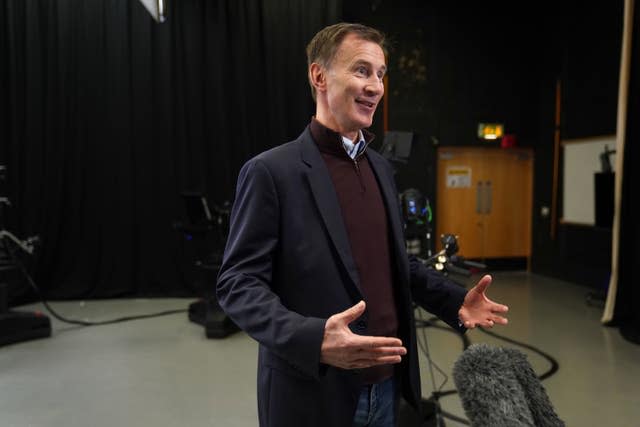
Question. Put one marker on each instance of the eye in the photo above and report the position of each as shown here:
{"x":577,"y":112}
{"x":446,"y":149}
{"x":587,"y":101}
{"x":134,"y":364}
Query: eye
{"x":362,"y":70}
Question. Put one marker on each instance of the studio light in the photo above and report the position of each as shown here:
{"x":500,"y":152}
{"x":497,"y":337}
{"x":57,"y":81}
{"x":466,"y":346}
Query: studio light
{"x":156,"y":8}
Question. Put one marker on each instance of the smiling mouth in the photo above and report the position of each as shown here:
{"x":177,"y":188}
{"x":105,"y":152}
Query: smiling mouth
{"x":366,"y":103}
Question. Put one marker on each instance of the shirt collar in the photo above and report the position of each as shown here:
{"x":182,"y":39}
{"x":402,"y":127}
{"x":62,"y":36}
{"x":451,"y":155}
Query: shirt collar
{"x":353,"y":148}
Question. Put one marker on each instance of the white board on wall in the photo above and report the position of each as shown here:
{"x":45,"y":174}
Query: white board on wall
{"x":581,"y":162}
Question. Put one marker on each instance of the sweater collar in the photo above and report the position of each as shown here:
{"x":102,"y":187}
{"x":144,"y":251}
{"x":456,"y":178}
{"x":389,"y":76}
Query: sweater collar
{"x":330,"y":141}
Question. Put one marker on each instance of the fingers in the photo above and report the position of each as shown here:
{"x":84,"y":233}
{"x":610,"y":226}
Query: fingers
{"x":495,"y":320}
{"x":361,"y":341}
{"x":378,"y":352}
{"x":483,"y":284}
{"x":352,"y":351}
{"x":364,"y":358}
{"x":500,"y":320}
{"x":499,"y":308}
{"x":487,"y":323}
{"x":472,"y":325}
{"x":373,"y":347}
{"x":367,"y":363}
{"x":352,"y":313}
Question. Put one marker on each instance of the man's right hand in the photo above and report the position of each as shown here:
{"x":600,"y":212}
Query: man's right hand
{"x":344,"y":349}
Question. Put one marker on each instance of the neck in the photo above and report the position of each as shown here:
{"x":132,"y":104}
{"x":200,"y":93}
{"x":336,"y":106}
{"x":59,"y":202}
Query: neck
{"x":329,"y":121}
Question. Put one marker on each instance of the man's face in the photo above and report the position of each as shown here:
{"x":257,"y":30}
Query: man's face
{"x":354,"y":85}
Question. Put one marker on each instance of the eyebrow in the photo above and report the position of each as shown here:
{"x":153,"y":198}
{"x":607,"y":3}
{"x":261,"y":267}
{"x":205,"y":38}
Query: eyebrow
{"x":369,"y":64}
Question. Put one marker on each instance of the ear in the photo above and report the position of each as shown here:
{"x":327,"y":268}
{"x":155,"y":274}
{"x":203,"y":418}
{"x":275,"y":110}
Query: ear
{"x":318,"y":77}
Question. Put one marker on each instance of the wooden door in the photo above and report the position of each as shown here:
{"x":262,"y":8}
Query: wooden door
{"x":459,"y":172}
{"x":489,"y":206}
{"x":507,"y":223}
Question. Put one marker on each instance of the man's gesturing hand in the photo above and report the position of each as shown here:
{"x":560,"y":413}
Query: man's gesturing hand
{"x":478,"y":310}
{"x":344,"y":349}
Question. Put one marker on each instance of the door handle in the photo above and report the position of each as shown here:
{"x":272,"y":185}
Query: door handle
{"x":488,"y":197}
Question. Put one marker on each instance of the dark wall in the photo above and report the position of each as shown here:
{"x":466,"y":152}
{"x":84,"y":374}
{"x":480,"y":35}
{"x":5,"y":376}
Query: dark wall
{"x":449,"y":70}
{"x":106,"y":117}
{"x":453,"y":65}
{"x":591,"y":64}
{"x":586,"y":59}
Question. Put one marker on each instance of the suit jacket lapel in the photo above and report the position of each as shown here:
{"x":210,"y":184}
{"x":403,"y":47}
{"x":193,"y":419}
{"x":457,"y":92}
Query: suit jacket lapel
{"x":327,"y":201}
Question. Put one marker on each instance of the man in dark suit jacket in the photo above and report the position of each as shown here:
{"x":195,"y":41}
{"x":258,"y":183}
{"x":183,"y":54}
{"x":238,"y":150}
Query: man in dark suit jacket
{"x":315,"y":267}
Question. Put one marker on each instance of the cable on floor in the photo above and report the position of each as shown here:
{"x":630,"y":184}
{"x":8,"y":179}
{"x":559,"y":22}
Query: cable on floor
{"x":63,"y":319}
{"x":431,"y":322}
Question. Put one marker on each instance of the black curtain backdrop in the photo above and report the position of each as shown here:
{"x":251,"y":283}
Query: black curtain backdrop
{"x":107,"y":116}
{"x":627,"y":308}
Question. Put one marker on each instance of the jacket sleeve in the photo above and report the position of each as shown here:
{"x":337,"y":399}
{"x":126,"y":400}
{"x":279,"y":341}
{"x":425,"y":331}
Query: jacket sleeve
{"x":436,"y":294}
{"x":245,"y":288}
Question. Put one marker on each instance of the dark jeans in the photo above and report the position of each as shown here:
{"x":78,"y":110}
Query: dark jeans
{"x":376,"y":405}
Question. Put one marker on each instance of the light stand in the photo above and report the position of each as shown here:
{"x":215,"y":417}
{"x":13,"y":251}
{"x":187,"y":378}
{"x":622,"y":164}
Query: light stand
{"x":17,"y":326}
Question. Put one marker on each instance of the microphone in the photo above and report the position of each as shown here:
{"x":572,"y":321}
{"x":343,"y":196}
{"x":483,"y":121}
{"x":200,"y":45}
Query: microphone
{"x":498,"y":387}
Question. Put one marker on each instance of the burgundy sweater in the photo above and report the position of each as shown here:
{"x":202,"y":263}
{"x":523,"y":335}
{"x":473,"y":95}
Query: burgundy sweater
{"x":365,"y":218}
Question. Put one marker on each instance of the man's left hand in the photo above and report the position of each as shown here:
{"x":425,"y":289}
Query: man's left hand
{"x":478,"y":310}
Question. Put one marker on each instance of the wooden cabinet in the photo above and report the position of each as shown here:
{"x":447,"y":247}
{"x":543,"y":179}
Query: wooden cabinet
{"x":484,"y":196}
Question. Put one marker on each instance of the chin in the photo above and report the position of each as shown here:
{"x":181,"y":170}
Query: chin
{"x":358,"y":121}
{"x":364,"y":123}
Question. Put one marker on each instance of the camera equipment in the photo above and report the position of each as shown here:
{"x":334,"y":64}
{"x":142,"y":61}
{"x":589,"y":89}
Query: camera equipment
{"x":417,"y":214}
{"x":16,"y":326}
{"x":396,"y":146}
{"x":447,"y":261}
{"x":206,"y":231}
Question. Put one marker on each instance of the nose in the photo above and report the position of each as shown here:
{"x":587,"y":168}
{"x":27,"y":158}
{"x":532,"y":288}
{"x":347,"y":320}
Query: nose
{"x":374,"y":86}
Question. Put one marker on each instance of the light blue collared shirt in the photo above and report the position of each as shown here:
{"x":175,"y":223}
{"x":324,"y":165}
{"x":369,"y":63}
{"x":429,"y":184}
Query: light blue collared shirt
{"x":354,"y":149}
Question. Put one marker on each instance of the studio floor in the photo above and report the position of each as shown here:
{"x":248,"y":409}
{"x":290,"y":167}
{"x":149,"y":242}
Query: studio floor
{"x":164,"y":372}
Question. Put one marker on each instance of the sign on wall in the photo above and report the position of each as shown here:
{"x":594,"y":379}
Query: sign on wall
{"x":458,"y":177}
